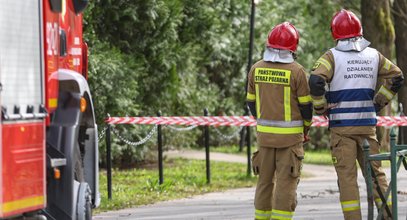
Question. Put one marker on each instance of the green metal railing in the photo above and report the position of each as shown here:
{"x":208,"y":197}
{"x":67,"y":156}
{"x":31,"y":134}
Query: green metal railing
{"x":397,"y":155}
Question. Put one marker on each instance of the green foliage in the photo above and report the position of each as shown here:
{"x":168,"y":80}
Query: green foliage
{"x":182,"y":178}
{"x":311,"y":18}
{"x":182,"y":56}
{"x":107,"y":76}
{"x":319,"y":139}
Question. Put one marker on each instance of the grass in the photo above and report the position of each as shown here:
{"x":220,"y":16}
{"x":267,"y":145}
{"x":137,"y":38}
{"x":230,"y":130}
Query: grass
{"x":322,"y":157}
{"x":182,"y":178}
{"x":234,"y":149}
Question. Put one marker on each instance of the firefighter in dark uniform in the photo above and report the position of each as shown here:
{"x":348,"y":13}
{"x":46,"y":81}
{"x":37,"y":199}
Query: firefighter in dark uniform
{"x":351,"y":70}
{"x":278,"y":96}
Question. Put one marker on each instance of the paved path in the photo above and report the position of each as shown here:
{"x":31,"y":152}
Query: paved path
{"x":318,"y":198}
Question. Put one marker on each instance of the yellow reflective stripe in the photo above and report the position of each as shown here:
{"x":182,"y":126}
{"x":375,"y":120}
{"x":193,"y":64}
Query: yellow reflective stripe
{"x":261,"y":217}
{"x":279,"y":214}
{"x":307,"y":123}
{"x":387,"y":64}
{"x":52,"y":103}
{"x":350,"y":202}
{"x":387,"y":93}
{"x":287,"y":103}
{"x":349,"y":209}
{"x":325,"y":63}
{"x":261,"y":214}
{"x":379,"y":201}
{"x":352,"y":205}
{"x":273,"y":76}
{"x":304,"y":99}
{"x":251,"y":97}
{"x":318,"y":102}
{"x":22,"y":204}
{"x":257,"y":101}
{"x":279,"y":130}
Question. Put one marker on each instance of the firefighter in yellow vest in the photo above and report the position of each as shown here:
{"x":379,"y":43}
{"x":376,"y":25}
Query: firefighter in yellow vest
{"x":278,"y":96}
{"x":351,"y":70}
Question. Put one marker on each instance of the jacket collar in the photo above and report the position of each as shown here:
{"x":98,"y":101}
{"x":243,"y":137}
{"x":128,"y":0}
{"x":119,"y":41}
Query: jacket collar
{"x":352,"y":44}
{"x":278,"y":56}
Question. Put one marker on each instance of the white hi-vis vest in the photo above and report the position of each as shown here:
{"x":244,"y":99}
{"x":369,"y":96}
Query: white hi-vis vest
{"x":353,"y":87}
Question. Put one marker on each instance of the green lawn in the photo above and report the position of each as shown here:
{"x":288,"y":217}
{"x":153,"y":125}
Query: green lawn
{"x":312,"y":157}
{"x":318,"y":157}
{"x":234,"y":149}
{"x":182,"y":178}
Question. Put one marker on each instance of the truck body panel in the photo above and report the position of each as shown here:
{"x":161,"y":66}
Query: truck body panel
{"x":22,"y":145}
{"x":23,"y":167}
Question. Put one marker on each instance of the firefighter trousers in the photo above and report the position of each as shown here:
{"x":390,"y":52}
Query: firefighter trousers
{"x":279,"y":173}
{"x":346,"y":149}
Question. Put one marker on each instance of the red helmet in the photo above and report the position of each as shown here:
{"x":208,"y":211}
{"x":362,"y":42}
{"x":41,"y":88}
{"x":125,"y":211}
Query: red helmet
{"x":283,"y":36}
{"x":345,"y":24}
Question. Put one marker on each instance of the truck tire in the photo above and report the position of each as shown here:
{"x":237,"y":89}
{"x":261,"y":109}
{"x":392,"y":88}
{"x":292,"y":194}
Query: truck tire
{"x":84,"y":205}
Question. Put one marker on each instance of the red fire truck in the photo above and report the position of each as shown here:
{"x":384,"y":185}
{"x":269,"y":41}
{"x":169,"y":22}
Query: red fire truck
{"x":48,"y":134}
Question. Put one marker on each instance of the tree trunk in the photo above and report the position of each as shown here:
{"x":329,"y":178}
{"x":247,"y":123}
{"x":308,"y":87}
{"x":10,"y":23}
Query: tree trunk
{"x":378,"y":29}
{"x":400,"y":24}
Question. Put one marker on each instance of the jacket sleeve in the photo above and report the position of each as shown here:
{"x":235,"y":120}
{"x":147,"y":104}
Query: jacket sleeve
{"x":251,"y":93}
{"x":322,"y":72}
{"x":395,"y":79}
{"x":304,"y":98}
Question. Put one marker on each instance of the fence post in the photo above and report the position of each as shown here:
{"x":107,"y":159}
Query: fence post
{"x":368,"y":179}
{"x":206,"y":137}
{"x":109,"y":161}
{"x":160,"y":151}
{"x":242,"y":139}
{"x":393,"y":174}
{"x":248,"y":142}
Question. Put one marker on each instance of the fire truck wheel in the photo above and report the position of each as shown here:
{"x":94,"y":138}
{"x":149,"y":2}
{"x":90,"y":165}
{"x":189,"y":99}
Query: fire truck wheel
{"x":84,"y":205}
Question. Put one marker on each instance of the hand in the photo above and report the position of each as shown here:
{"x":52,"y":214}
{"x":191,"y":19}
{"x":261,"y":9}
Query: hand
{"x":320,"y":111}
{"x":306,"y":130}
{"x":306,"y":134}
{"x":306,"y":139}
{"x":324,"y":110}
{"x":377,"y":108}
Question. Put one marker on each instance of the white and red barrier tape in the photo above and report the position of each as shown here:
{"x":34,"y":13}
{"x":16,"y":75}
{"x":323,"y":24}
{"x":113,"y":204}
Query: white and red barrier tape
{"x":318,"y":121}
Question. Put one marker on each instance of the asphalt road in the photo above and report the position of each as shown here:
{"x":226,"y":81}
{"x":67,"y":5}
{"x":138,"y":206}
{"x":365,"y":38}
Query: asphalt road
{"x":318,"y":199}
